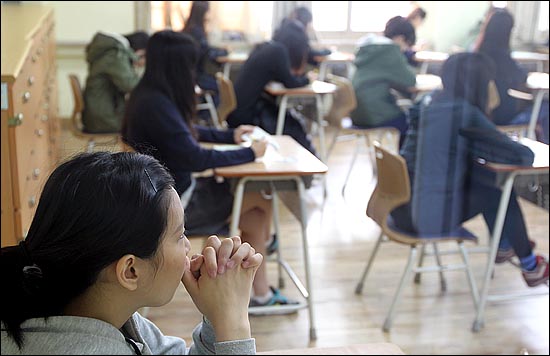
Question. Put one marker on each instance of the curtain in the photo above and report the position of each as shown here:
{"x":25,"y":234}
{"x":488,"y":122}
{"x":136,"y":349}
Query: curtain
{"x":526,"y":14}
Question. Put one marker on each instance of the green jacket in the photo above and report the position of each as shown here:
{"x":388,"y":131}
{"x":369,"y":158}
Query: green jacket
{"x":110,"y":76}
{"x":380,"y":66}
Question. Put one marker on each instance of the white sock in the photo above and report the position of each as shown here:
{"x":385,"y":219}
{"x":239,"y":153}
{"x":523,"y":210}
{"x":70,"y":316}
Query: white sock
{"x":264,"y":298}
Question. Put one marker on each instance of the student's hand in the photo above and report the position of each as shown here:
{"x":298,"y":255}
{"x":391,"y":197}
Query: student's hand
{"x":229,"y":254}
{"x":259,"y":148}
{"x":224,"y":299}
{"x":240,"y":131}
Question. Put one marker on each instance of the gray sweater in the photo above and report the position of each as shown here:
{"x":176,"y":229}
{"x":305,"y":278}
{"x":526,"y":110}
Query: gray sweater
{"x":66,"y":335}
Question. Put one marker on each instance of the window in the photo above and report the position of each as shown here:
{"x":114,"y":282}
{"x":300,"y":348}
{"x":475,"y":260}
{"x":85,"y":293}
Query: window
{"x":543,"y":17}
{"x":356,"y":16}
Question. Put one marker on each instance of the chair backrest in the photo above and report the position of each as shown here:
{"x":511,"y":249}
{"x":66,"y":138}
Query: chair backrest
{"x":78,"y":107}
{"x":228,"y":99}
{"x":344,"y":101}
{"x":392,"y":189}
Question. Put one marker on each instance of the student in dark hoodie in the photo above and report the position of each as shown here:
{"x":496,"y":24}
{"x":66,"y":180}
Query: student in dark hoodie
{"x":382,"y":66}
{"x":112,"y":61}
{"x":282,"y":60}
{"x":447,"y":188}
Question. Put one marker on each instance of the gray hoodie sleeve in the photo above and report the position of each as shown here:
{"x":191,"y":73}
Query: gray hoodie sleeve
{"x":204,"y":343}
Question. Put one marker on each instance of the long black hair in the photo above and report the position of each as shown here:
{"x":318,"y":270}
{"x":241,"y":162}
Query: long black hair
{"x":171,"y":59}
{"x":94,"y":209}
{"x":467,"y":76}
{"x":497,"y":31}
{"x":294,"y":38}
{"x":197,"y":16}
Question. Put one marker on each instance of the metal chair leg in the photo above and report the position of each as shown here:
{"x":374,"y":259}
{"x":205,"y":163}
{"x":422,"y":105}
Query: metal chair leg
{"x":469,"y":274}
{"x":275,"y":207}
{"x":408,"y":268}
{"x":359,"y":287}
{"x":417,"y":275}
{"x":355,"y":153}
{"x":442,"y":280}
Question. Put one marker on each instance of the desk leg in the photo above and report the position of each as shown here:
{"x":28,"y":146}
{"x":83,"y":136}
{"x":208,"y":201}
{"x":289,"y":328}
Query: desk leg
{"x":226,"y":70}
{"x":495,"y":239}
{"x":322,"y":148}
{"x":535,"y":115}
{"x":275,"y":212}
{"x":424,"y":68}
{"x":323,"y":71}
{"x":237,"y":204}
{"x":282,"y":114}
{"x":303,"y":213}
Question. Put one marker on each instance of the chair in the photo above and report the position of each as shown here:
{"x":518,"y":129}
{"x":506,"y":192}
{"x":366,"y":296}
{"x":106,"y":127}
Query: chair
{"x":392,"y":190}
{"x":77,"y":127}
{"x":228,"y":99}
{"x":345,"y":102}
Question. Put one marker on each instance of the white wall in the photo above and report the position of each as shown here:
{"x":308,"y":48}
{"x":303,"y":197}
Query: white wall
{"x":448,"y":22}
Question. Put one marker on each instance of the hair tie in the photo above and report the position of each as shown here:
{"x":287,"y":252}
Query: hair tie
{"x":32,"y":274}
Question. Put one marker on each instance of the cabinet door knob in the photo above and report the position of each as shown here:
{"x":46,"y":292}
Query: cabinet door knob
{"x":31,"y":80}
{"x":26,"y":96}
{"x":32,"y":201}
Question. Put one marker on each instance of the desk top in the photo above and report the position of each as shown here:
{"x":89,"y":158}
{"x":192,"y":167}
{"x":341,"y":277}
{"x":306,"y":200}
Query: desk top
{"x":290,"y":159}
{"x":521,"y":56}
{"x":540,"y":163}
{"x":537,"y":80}
{"x":337,"y":57}
{"x":233,"y":57}
{"x":427,"y":82}
{"x":429,"y":56}
{"x":316,"y":87}
{"x":360,"y":349}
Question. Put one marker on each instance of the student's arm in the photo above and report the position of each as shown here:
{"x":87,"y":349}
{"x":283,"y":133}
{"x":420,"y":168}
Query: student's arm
{"x":401,"y":76}
{"x":119,"y":68}
{"x":177,"y":145}
{"x":282,"y":71}
{"x":208,"y":134}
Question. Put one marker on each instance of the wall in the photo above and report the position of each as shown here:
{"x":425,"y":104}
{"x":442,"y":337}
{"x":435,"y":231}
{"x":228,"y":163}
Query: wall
{"x":448,"y":22}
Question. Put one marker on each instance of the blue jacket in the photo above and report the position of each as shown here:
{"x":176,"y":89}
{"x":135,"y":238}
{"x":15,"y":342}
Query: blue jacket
{"x":439,"y":161}
{"x":156,"y":127}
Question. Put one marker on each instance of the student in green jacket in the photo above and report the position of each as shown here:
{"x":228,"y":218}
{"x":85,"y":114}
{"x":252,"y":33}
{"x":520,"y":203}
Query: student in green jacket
{"x":112,"y":63}
{"x":382,"y":66}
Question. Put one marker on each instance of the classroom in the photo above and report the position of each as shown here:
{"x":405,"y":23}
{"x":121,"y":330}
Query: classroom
{"x":275,"y":177}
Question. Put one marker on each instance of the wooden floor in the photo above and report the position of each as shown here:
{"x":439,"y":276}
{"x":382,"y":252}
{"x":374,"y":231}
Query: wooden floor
{"x":340,"y":238}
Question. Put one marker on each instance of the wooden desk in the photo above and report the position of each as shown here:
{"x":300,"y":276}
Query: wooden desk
{"x":538,"y":83}
{"x":316,"y":89}
{"x":359,"y":349}
{"x":289,"y":163}
{"x":428,"y":57}
{"x":506,"y":175}
{"x":334,"y":58}
{"x":229,"y":60}
{"x":531,"y":57}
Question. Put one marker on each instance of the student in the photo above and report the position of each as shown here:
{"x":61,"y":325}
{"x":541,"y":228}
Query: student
{"x":380,"y":67}
{"x":494,"y":41}
{"x":196,"y":27}
{"x":447,"y":188}
{"x":302,"y":18}
{"x":282,"y":60}
{"x":158,"y":122}
{"x":108,"y":238}
{"x":416,"y":17}
{"x":113,"y":61}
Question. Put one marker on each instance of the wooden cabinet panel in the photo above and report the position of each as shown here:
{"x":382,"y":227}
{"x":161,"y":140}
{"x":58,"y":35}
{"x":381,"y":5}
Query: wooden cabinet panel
{"x":30,"y":128}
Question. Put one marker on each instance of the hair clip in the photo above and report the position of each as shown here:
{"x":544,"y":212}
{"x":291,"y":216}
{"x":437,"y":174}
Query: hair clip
{"x":150,"y":180}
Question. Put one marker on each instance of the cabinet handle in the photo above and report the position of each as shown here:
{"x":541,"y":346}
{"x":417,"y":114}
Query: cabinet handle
{"x":32,"y":201}
{"x":26,"y":96}
{"x":31,"y":80}
{"x":39,"y":132}
{"x":36,"y":172}
{"x":16,"y":120}
{"x":44,"y":118}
